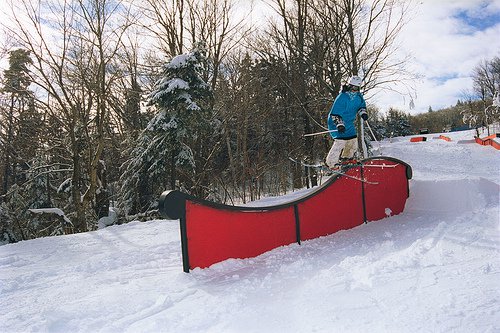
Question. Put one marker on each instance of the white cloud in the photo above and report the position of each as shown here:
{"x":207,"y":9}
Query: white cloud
{"x":444,"y":50}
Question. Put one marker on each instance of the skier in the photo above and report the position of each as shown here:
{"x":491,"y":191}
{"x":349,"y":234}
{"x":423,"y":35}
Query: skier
{"x":341,"y":123}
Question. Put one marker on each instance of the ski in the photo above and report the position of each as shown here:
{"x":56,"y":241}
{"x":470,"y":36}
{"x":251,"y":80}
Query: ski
{"x":380,"y":165}
{"x":307,"y":165}
{"x":353,"y":177}
{"x":327,"y":169}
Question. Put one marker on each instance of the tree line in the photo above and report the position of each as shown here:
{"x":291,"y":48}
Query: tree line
{"x":107,"y":103}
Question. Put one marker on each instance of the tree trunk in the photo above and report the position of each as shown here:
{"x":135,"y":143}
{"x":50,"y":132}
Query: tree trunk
{"x":79,"y":221}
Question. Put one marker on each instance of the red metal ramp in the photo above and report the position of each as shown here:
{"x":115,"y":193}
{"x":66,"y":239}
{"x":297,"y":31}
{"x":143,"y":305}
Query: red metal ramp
{"x":212,"y":232}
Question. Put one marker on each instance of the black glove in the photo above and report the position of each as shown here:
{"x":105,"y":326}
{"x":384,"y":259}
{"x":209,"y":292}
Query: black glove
{"x":337,"y":120}
{"x":363,"y":114}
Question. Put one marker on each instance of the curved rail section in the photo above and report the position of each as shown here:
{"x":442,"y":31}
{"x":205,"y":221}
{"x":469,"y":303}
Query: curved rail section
{"x":210,"y":232}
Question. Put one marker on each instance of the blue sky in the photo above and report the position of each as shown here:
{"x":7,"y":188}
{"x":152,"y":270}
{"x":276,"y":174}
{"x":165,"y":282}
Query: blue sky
{"x":480,"y":17}
{"x":446,"y":40}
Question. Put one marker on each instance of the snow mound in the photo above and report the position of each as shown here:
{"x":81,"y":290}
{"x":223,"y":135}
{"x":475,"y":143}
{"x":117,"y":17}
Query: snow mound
{"x":452,"y":196}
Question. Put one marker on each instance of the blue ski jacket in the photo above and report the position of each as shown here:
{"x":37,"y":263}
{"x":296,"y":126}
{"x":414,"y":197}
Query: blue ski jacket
{"x":346,"y":105}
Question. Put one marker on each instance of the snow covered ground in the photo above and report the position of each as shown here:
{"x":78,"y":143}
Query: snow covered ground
{"x":433,"y":268}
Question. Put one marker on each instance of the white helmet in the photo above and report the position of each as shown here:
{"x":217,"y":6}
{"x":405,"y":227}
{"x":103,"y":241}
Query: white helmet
{"x":355,"y":81}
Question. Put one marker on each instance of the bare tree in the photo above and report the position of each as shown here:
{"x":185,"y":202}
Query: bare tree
{"x":180,"y":25}
{"x":73,"y":45}
{"x":367,"y":34}
{"x":165,"y":21}
{"x":287,"y":39}
{"x":348,"y":37}
{"x":486,"y":78}
{"x":486,"y":84}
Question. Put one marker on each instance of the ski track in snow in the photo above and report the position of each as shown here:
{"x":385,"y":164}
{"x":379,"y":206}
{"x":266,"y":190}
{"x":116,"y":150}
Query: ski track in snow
{"x":433,"y":268}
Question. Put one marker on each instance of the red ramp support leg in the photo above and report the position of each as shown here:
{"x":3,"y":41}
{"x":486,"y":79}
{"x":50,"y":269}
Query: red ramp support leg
{"x":212,"y":232}
{"x":172,"y":205}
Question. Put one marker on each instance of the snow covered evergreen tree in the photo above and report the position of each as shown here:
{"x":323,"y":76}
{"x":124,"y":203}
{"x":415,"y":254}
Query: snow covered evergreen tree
{"x":397,"y":123}
{"x":164,"y":154}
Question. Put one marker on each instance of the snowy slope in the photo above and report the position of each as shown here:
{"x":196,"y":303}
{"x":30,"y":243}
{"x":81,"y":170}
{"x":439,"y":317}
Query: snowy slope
{"x":434,"y":268}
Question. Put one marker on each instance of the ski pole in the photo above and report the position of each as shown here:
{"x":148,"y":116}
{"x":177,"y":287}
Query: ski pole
{"x":363,"y":143}
{"x":374,"y":138}
{"x":318,"y":133}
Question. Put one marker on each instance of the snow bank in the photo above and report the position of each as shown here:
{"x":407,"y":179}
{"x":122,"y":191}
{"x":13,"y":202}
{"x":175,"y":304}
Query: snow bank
{"x":452,"y":196}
